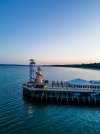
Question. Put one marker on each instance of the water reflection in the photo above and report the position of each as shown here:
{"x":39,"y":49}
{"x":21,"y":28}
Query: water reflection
{"x":30,"y":112}
{"x":65,"y":74}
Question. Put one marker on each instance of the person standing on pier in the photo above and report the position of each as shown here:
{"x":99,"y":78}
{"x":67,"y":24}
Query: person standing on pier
{"x":62,"y":85}
{"x":57,"y":84}
{"x":53,"y":83}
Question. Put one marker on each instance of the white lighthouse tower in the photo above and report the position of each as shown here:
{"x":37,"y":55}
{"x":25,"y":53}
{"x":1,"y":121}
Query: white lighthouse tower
{"x":32,"y":70}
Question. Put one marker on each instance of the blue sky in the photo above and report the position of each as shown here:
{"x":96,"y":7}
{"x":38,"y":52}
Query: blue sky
{"x":50,"y":31}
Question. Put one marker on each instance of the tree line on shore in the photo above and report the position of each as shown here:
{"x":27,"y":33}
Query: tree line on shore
{"x":90,"y":65}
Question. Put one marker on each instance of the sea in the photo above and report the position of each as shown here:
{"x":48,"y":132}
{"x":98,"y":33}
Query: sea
{"x":19,"y":116}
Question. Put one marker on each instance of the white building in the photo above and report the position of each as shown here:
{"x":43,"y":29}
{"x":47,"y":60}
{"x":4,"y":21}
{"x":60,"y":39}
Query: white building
{"x":83,"y":84}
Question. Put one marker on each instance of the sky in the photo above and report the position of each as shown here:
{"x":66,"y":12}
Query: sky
{"x":49,"y":31}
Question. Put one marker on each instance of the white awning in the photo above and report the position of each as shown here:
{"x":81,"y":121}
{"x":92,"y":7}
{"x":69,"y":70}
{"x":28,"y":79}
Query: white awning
{"x":79,"y":82}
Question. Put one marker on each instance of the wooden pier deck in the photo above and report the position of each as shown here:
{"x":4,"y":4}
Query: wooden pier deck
{"x":62,"y":95}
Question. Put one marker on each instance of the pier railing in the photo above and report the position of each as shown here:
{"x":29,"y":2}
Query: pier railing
{"x":63,"y":86}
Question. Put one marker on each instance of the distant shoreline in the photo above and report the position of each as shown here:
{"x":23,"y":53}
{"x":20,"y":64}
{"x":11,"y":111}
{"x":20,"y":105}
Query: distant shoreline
{"x":78,"y":67}
{"x":93,"y":66}
{"x":12,"y":65}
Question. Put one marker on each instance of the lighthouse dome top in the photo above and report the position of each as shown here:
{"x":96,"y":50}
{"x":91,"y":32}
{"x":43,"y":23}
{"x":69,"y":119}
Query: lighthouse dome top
{"x":32,"y":61}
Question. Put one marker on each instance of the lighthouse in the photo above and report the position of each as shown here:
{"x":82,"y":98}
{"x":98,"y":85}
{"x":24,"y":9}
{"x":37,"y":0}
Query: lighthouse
{"x":32,"y":70}
{"x":39,"y":76}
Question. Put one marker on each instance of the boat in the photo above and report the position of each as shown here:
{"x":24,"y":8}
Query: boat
{"x":74,"y":91}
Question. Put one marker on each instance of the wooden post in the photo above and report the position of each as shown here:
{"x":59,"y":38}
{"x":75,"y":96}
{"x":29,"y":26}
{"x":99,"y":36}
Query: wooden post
{"x":51,"y":99}
{"x":62,"y":96}
{"x":78,"y":99}
{"x":41,"y":97}
{"x":83,"y":99}
{"x":57,"y":99}
{"x":32,"y":97}
{"x":67,"y":97}
{"x":37,"y":96}
{"x":46,"y":96}
{"x":89,"y":99}
{"x":72,"y":98}
{"x":95,"y":100}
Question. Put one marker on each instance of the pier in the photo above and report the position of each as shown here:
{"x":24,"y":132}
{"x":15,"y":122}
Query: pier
{"x":73,"y":91}
{"x":61,"y":95}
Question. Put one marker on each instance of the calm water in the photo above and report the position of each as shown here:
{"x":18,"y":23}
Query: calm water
{"x":18,"y":116}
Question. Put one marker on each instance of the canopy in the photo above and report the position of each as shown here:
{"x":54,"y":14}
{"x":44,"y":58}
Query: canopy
{"x":79,"y":82}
